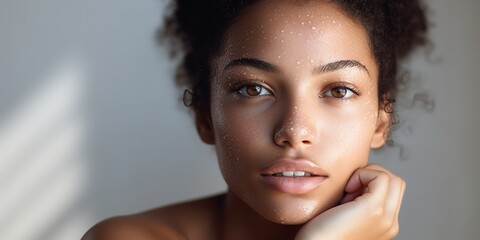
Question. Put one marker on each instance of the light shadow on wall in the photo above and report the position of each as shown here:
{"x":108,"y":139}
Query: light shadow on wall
{"x":40,"y":146}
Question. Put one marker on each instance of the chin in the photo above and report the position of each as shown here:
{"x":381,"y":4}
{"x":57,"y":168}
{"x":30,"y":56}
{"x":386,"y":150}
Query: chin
{"x":294,"y":211}
{"x":293,"y":221}
{"x":289,"y":219}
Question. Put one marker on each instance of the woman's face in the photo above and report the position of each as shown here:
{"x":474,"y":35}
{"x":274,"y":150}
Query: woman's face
{"x":294,"y":107}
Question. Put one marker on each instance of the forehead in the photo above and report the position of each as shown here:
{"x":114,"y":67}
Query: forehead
{"x":288,"y":32}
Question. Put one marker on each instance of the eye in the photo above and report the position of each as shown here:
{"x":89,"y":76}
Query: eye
{"x":340,"y":92}
{"x":253,"y":90}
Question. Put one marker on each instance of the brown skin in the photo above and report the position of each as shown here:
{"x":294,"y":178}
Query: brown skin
{"x":289,"y":109}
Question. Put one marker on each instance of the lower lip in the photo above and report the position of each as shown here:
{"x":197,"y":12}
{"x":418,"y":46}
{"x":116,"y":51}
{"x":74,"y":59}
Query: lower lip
{"x":294,"y":185}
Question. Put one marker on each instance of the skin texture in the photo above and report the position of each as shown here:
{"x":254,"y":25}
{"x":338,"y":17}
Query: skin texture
{"x":295,"y":82}
{"x":292,"y":119}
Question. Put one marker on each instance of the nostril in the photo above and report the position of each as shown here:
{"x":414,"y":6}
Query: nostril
{"x":288,"y":135}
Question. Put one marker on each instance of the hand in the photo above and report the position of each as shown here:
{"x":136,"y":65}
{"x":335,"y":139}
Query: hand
{"x":369,"y":210}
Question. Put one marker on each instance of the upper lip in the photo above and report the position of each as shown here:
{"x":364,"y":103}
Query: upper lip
{"x":288,"y":164}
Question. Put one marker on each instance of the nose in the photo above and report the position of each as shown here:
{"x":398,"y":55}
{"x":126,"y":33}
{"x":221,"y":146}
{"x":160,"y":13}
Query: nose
{"x":297,"y":129}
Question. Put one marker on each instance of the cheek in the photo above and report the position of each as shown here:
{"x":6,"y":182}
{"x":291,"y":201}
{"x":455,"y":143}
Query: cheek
{"x":237,"y":138}
{"x":356,"y":123}
{"x":238,"y":134}
{"x":351,"y":137}
{"x":228,"y":146}
{"x":236,"y":127}
{"x":354,"y":130}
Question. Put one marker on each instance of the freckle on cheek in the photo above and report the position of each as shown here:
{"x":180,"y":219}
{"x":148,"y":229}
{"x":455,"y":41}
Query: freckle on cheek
{"x":231,"y":164}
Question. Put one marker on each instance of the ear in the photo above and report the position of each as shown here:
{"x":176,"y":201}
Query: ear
{"x":203,"y":122}
{"x":381,"y":129}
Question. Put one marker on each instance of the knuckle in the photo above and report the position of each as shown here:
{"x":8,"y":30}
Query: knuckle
{"x":377,"y":167}
{"x":393,"y":231}
{"x":398,"y":182}
{"x":386,"y":224}
{"x":377,"y":212}
{"x":383,"y":176}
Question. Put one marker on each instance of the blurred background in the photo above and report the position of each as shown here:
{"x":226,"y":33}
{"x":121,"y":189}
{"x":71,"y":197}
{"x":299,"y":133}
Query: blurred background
{"x":91,"y":125}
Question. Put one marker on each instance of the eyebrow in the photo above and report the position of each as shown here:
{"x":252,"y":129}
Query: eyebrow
{"x":268,"y":67}
{"x":342,"y":64}
{"x":252,"y":62}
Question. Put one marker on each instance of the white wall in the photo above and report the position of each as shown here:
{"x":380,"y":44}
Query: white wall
{"x":90,"y":126}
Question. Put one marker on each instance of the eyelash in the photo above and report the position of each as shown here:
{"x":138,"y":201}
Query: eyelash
{"x":237,"y":88}
{"x":347,"y":86}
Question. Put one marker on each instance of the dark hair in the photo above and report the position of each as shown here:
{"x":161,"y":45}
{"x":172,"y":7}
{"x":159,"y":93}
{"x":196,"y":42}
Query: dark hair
{"x":196,"y":28}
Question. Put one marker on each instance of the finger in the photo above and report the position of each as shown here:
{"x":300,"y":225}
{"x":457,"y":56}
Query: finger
{"x":393,"y":202}
{"x":357,"y":186}
{"x":395,"y":228}
{"x":400,"y":198}
{"x":395,"y":190}
{"x":377,"y":167}
{"x":404,"y":185}
{"x":394,"y":195}
{"x":348,"y":197}
{"x":391,"y":205}
{"x":375,"y":183}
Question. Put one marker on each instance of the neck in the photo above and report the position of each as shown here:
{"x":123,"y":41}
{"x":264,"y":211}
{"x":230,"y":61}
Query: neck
{"x":241,"y":222}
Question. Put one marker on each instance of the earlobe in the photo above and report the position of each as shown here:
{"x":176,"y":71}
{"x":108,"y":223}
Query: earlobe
{"x":381,"y":130}
{"x":203,"y":123}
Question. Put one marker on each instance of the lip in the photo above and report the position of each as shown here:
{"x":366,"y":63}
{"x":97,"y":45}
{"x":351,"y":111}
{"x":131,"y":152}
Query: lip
{"x":293,"y":185}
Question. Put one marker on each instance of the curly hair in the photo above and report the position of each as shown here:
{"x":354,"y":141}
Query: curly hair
{"x":197,"y":28}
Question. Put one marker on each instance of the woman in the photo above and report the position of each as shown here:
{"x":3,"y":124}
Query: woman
{"x":293,"y":95}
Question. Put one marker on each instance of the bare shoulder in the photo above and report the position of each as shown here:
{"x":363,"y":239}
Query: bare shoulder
{"x":196,"y":219}
{"x":134,"y":227}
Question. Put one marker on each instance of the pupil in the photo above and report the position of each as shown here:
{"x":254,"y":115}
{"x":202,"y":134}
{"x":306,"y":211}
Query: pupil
{"x":253,"y":90}
{"x":339,"y":92}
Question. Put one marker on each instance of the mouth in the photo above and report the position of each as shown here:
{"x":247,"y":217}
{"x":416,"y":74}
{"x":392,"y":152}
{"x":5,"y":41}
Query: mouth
{"x":293,"y":168}
{"x":293,"y":176}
